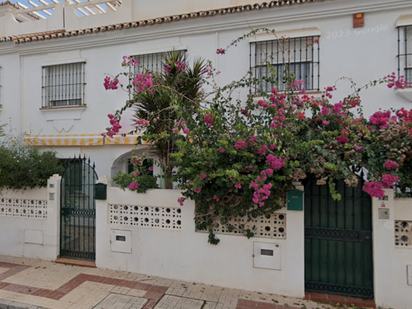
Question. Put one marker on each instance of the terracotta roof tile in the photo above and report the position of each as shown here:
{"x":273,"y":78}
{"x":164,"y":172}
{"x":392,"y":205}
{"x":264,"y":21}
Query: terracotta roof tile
{"x":134,"y":24}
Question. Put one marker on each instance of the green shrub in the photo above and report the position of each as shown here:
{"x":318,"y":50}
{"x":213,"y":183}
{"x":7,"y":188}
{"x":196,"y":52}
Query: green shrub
{"x":26,"y":167}
{"x":139,"y":180}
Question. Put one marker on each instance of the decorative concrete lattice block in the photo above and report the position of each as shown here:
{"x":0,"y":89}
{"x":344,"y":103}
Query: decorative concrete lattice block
{"x":146,"y":216}
{"x":24,"y":208}
{"x":273,"y":226}
{"x":403,"y":233}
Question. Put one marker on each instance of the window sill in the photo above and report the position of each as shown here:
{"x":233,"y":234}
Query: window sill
{"x":53,"y":108}
{"x":405,"y":93}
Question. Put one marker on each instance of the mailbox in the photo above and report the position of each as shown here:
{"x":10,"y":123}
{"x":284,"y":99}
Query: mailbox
{"x":294,"y":200}
{"x":100,"y":191}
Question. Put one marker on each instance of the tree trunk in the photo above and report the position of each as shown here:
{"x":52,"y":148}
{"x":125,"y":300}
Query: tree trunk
{"x":167,"y":175}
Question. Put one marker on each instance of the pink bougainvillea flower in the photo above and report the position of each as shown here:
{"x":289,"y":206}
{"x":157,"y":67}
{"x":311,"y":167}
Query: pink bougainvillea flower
{"x":209,"y":120}
{"x":133,"y":186}
{"x":135,"y":174}
{"x":186,"y":130}
{"x":151,"y":169}
{"x":263,"y":104}
{"x":391,"y":165}
{"x":238,"y":186}
{"x":216,"y":198}
{"x":220,"y":51}
{"x":198,"y":190}
{"x":380,"y":118}
{"x":357,"y":148}
{"x":142,"y":122}
{"x":114,"y":129}
{"x":337,"y":108}
{"x":324,"y":111}
{"x":241,"y":144}
{"x":374,"y":189}
{"x":262,"y":150}
{"x":342,"y":139}
{"x":269,"y":172}
{"x":275,"y":162}
{"x":388,"y":180}
{"x":222,"y":150}
{"x":143,"y":81}
{"x":181,"y":200}
{"x":109,"y":84}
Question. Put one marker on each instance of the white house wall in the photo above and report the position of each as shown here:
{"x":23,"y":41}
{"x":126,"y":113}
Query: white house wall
{"x":362,"y":54}
{"x":10,"y":113}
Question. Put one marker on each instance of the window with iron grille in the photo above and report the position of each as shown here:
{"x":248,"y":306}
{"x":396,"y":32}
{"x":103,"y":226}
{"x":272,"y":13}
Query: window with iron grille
{"x":63,"y":85}
{"x":298,"y":55}
{"x":152,"y":62}
{"x":405,"y":52}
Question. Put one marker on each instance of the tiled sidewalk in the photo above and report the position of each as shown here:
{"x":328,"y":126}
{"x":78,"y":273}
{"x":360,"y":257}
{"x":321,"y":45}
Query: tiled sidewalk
{"x":34,"y":284}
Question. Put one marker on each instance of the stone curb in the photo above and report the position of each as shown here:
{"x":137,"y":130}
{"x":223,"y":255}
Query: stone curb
{"x":8,"y":304}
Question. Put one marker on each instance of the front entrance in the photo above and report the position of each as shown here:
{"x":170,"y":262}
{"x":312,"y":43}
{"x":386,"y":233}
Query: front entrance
{"x":338,"y":241}
{"x":78,"y":210}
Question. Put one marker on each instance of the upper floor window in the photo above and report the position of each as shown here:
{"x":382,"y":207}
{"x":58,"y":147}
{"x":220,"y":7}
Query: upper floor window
{"x":63,"y":85}
{"x":153,"y":62}
{"x":299,"y":56}
{"x":405,"y":52}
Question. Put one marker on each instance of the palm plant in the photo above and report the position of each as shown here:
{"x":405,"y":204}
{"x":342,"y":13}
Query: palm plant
{"x":179,"y":84}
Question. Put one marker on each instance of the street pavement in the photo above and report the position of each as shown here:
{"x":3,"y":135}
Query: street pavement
{"x":36,"y":284}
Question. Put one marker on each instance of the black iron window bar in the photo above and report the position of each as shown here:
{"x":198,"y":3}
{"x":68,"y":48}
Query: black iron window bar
{"x":301,"y":56}
{"x":405,"y":52}
{"x":151,"y":62}
{"x":63,"y":85}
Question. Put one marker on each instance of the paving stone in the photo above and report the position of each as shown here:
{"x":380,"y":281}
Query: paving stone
{"x":119,"y":301}
{"x":174,"y":302}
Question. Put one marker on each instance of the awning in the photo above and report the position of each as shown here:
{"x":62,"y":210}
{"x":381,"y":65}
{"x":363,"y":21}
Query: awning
{"x":67,"y":140}
{"x":121,"y":140}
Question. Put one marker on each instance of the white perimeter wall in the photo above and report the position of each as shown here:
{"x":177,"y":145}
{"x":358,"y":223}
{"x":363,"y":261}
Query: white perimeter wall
{"x":390,"y":262}
{"x":31,"y":227}
{"x":186,"y":255}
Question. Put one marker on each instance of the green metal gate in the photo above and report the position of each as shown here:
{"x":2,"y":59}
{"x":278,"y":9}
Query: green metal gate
{"x":338,"y":241}
{"x":78,"y":210}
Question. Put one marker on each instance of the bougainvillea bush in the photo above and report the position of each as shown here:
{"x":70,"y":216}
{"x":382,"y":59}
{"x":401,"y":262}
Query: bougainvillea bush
{"x":239,"y":157}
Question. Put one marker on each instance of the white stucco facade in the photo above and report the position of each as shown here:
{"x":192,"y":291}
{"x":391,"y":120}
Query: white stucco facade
{"x":362,"y":54}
